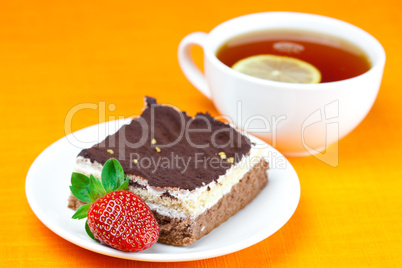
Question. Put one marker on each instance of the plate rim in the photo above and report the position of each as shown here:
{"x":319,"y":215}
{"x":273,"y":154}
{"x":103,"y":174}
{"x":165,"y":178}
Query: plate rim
{"x":155,"y":257}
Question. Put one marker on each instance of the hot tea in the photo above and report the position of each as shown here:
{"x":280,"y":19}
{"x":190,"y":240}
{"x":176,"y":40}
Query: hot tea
{"x":335,"y":58}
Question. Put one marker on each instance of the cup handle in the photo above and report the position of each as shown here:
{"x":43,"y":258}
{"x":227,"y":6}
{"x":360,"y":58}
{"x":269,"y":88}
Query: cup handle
{"x":187,"y":65}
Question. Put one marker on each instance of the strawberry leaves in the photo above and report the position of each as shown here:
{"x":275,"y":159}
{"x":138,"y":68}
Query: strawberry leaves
{"x":89,"y":189}
{"x":112,"y":175}
{"x":96,"y":188}
{"x":80,"y":187}
{"x":81,"y":212}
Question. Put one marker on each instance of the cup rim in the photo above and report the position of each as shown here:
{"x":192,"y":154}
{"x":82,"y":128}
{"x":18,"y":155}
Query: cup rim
{"x":376,"y":66}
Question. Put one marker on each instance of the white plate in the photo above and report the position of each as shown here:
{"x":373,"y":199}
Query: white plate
{"x":47,"y":191}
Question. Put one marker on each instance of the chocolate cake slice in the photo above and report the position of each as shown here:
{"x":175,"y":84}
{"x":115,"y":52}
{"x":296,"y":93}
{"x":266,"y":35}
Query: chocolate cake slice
{"x":193,"y":172}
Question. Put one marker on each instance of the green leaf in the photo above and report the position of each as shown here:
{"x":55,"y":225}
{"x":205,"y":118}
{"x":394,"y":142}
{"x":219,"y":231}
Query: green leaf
{"x":96,"y":188}
{"x":79,"y":180}
{"x":89,"y":231}
{"x":119,"y":172}
{"x":124,"y":186}
{"x":112,"y":175}
{"x":82,"y":212}
{"x":80,"y":187}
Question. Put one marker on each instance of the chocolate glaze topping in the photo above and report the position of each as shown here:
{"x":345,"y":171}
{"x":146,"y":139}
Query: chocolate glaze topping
{"x":171,"y":149}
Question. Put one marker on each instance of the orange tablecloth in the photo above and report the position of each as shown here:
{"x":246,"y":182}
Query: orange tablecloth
{"x":57,"y":54}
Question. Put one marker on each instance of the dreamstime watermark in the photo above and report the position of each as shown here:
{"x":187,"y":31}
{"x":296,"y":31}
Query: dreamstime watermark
{"x":184,"y":130}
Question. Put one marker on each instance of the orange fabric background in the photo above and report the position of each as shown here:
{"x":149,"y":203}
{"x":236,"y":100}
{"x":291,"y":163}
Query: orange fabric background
{"x":57,"y":54}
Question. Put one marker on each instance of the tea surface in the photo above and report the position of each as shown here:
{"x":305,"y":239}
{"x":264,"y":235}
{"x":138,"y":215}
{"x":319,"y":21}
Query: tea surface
{"x":335,"y":58}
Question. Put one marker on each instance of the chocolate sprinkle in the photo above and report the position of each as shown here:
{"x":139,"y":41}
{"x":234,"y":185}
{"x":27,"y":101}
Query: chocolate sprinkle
{"x":189,"y":156}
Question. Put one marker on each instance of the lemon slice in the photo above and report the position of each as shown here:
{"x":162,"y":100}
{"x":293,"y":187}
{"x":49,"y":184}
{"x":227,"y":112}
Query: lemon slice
{"x":278,"y":68}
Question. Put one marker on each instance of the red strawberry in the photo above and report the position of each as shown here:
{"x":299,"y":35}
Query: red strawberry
{"x":122,"y":220}
{"x":116,"y":217}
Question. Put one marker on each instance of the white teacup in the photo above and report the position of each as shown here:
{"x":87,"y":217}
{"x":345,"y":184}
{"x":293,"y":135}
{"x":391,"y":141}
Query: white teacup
{"x":297,"y":119}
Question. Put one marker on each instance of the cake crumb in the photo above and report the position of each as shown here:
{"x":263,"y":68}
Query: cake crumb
{"x":157,"y":149}
{"x":153,"y":141}
{"x":135,"y":161}
{"x":223,"y":156}
{"x":110,"y":151}
{"x":230,"y":160}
